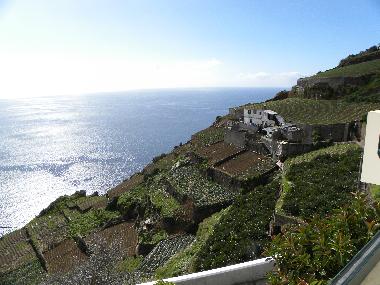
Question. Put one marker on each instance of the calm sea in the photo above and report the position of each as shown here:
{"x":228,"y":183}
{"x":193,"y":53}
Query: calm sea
{"x":57,"y":145}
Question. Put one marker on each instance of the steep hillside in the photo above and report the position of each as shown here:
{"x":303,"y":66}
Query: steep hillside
{"x":356,"y":77}
{"x":208,"y":203}
{"x":308,"y":111}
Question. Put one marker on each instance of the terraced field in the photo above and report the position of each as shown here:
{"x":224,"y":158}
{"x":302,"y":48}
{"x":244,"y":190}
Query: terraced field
{"x":121,"y":238}
{"x":187,"y":181}
{"x":89,"y":202}
{"x":15,"y":250}
{"x":358,"y":69}
{"x":64,"y":257}
{"x":308,"y":111}
{"x":320,"y":181}
{"x":208,"y":136}
{"x":162,"y":253}
{"x":246,"y":165}
{"x":218,"y":151}
{"x":48,"y":231}
{"x":27,"y":273}
{"x":162,"y":200}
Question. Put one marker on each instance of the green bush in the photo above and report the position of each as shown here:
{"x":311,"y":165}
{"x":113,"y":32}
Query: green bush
{"x":241,"y":231}
{"x":367,"y":93}
{"x":130,"y":200}
{"x":321,"y":181}
{"x":317,"y":251}
{"x":184,"y":261}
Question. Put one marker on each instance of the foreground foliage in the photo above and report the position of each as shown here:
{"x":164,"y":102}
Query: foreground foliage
{"x":318,"y":250}
{"x":184,"y":261}
{"x":241,"y":231}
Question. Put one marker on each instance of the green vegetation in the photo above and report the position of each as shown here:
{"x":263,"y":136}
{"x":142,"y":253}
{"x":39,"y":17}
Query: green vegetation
{"x":317,"y":251}
{"x":375,"y":191}
{"x":30,"y":273}
{"x":129,"y":264}
{"x":152,"y":237}
{"x":130,"y":200}
{"x":208,"y":136}
{"x":85,"y":223}
{"x":358,"y":69}
{"x":369,"y":54}
{"x":47,"y":230}
{"x":150,"y":193}
{"x":189,"y":182}
{"x":241,"y":231}
{"x":162,"y":252}
{"x":309,"y":111}
{"x":62,"y":203}
{"x":184,"y":261}
{"x":161,"y":282}
{"x":320,"y":181}
{"x":167,"y":205}
{"x":367,"y":93}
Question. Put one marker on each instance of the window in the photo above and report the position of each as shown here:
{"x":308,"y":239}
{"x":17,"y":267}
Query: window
{"x":249,"y":111}
{"x":378,"y":148}
{"x":250,"y":120}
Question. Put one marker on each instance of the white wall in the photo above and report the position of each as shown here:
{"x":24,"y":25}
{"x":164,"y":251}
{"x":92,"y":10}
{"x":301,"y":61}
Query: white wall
{"x":250,"y":271}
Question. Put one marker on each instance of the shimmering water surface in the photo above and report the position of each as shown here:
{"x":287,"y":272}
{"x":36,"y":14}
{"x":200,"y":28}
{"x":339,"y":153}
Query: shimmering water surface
{"x":58,"y":145}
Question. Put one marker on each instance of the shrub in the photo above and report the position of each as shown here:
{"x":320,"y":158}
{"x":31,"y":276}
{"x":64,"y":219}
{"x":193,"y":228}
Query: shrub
{"x":321,"y":180}
{"x":241,"y":231}
{"x":136,"y":198}
{"x":317,"y":251}
{"x":184,"y":261}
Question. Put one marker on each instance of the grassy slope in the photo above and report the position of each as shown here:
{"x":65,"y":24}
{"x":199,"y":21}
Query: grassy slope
{"x":310,"y":111}
{"x":363,"y":68}
{"x":241,"y":231}
{"x":320,"y":181}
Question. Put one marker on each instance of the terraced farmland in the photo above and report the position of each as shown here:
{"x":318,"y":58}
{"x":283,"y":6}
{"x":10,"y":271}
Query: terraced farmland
{"x":218,"y":151}
{"x":15,"y":250}
{"x":162,"y":200}
{"x":162,"y":253}
{"x":246,"y":165}
{"x":120,"y":238}
{"x":208,"y":136}
{"x":358,"y":69}
{"x":64,"y":257}
{"x":48,"y":231}
{"x":308,"y":111}
{"x":320,"y":181}
{"x":88,"y":202}
{"x":187,"y":181}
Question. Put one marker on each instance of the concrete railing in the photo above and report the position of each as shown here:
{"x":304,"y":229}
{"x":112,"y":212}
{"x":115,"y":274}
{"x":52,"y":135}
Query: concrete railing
{"x":252,"y":272}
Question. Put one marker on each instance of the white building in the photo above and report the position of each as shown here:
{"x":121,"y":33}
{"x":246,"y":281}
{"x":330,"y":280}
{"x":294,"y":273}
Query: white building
{"x":262,"y":118}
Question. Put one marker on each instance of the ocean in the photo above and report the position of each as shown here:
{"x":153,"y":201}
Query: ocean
{"x":52,"y":146}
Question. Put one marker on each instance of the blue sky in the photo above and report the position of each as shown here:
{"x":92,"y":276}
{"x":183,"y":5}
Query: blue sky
{"x":80,"y":46}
